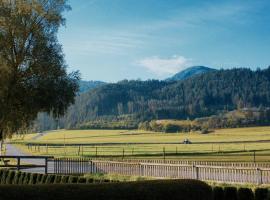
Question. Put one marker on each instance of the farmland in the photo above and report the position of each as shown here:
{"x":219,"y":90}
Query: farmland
{"x":236,"y":144}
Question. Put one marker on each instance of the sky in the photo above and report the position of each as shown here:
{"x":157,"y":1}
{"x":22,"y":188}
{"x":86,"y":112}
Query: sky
{"x":112,"y":40}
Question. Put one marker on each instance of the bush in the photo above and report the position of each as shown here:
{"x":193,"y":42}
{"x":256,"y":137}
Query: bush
{"x":43,"y":179}
{"x":4,"y":176}
{"x":33,"y":179}
{"x":39,"y":178}
{"x":57,"y":179}
{"x":50,"y":179}
{"x":218,"y":193}
{"x":64,"y":179}
{"x":230,"y":193}
{"x":245,"y":194}
{"x":81,"y":180}
{"x":17,"y":177}
{"x":72,"y":179}
{"x":1,"y":173}
{"x":26,"y":178}
{"x":143,"y":190}
{"x":23,"y":174}
{"x":89,"y":180}
{"x":10,"y":177}
{"x":261,"y":193}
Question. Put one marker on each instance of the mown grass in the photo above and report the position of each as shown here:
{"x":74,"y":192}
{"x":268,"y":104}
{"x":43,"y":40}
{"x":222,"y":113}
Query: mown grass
{"x":222,"y":144}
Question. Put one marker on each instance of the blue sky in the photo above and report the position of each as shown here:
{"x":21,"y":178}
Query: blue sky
{"x":112,"y":40}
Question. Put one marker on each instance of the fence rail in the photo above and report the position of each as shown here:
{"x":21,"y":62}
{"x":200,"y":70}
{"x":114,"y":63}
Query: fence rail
{"x":240,"y":173}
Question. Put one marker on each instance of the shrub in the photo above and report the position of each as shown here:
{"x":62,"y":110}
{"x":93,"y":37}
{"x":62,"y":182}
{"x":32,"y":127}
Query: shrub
{"x":33,"y":179}
{"x":50,"y":179}
{"x":44,"y":178}
{"x":89,"y":180}
{"x":81,"y":180}
{"x":57,"y":179}
{"x":230,"y":193}
{"x":64,"y":179}
{"x":26,"y":178}
{"x":17,"y":177}
{"x":245,"y":194}
{"x":23,"y":174}
{"x":4,"y":176}
{"x":1,"y":172}
{"x":39,"y":178}
{"x":261,"y":193}
{"x":73,"y":179}
{"x":143,"y":190}
{"x":10,"y":177}
{"x":218,"y":193}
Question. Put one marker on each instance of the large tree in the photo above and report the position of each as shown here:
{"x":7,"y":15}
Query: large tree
{"x":33,"y":76}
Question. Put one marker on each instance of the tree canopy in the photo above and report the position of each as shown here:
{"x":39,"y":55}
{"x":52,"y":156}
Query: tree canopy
{"x":33,"y":75}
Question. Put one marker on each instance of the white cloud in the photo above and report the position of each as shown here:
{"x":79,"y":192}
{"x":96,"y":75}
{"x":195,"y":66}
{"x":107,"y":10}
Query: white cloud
{"x":165,"y":66}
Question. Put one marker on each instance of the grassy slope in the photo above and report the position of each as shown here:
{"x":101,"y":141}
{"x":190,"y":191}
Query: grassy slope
{"x":121,"y":136}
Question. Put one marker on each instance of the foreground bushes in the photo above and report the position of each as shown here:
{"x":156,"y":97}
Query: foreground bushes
{"x":144,"y":190}
{"x":231,"y":193}
{"x":24,"y":178}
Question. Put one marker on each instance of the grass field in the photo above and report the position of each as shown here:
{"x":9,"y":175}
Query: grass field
{"x":225,"y":144}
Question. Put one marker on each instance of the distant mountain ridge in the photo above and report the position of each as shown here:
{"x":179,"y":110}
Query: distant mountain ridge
{"x":190,"y":72}
{"x":85,"y":86}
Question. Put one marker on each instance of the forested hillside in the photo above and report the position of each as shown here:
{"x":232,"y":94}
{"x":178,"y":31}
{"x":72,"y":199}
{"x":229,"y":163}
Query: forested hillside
{"x":203,"y":95}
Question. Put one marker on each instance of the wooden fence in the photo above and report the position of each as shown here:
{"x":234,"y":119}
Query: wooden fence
{"x":231,"y":174}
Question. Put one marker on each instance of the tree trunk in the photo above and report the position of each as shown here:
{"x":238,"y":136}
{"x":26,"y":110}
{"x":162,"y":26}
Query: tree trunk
{"x":1,"y":140}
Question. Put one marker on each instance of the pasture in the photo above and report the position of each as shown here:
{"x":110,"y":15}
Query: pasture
{"x":238,"y":144}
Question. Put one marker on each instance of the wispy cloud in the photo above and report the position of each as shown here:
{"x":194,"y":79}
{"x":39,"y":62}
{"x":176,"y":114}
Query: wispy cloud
{"x":165,"y":66}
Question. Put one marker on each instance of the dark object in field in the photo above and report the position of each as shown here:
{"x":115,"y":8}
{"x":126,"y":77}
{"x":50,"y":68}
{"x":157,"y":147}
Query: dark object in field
{"x":187,"y":141}
{"x":144,"y":190}
{"x":245,"y":194}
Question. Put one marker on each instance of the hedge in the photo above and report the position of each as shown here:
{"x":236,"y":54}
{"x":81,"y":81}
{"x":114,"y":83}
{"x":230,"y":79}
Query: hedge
{"x":230,"y":193}
{"x":143,"y":190}
{"x":218,"y":193}
{"x":10,"y":177}
{"x":261,"y":193}
{"x":245,"y":194}
{"x":33,"y":179}
{"x":17,"y":177}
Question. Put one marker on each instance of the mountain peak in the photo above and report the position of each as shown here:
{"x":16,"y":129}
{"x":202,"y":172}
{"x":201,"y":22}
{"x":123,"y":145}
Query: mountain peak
{"x":189,"y":72}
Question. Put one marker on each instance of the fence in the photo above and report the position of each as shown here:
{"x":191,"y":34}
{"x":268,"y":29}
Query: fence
{"x":26,"y":162}
{"x":245,"y":173}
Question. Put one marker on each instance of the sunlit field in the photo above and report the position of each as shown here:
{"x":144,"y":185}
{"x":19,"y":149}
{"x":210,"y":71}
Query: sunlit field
{"x":236,"y":144}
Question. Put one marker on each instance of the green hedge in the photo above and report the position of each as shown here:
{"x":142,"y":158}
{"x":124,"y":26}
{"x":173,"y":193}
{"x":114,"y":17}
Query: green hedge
{"x":230,"y":193}
{"x":144,"y":190}
{"x":218,"y":193}
{"x":245,"y":194}
{"x":261,"y":193}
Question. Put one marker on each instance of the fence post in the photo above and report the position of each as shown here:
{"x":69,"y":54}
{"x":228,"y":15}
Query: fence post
{"x":195,"y":172}
{"x":141,"y":169}
{"x":254,"y":156}
{"x":164,"y":154}
{"x":123,"y":154}
{"x":18,"y":163}
{"x":46,"y":165}
{"x":259,"y":176}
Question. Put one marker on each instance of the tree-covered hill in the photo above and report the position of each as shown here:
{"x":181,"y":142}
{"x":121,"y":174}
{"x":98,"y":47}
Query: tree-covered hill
{"x":198,"y":96}
{"x":190,"y":72}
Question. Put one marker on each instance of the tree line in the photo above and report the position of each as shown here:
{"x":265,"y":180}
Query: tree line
{"x":199,"y":96}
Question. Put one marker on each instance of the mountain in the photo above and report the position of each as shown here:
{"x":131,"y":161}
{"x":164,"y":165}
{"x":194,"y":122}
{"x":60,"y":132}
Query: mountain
{"x":199,"y":96}
{"x":88,"y":85}
{"x":190,"y":72}
{"x":127,"y":103}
